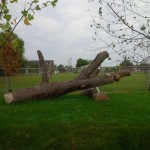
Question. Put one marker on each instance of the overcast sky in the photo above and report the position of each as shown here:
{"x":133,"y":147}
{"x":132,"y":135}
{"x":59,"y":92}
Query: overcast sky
{"x":61,"y":33}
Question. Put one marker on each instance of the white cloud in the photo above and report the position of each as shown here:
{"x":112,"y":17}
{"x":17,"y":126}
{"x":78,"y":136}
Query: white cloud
{"x":60,"y":33}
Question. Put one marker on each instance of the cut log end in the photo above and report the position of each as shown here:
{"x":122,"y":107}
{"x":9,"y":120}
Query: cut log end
{"x":8,"y":98}
{"x":100,"y":97}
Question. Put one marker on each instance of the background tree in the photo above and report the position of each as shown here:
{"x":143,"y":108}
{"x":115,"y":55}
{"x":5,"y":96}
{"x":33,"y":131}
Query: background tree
{"x":124,"y":27}
{"x":82,"y":62}
{"x":9,"y":22}
{"x":9,"y":59}
{"x":126,"y":63}
{"x":15,"y":43}
{"x":145,"y":64}
{"x":61,"y":68}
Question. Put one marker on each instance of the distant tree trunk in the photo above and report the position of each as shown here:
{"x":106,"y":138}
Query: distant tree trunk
{"x":47,"y":90}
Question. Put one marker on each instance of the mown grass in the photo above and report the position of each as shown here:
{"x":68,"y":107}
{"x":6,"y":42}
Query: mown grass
{"x":135,"y":82}
{"x":21,"y":81}
{"x":74,"y":121}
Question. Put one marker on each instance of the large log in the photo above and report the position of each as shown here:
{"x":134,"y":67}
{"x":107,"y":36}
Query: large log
{"x":85,"y":80}
{"x":49,"y":90}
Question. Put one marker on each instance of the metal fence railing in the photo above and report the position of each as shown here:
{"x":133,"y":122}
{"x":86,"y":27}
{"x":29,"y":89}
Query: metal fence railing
{"x":27,"y":77}
{"x":138,"y":81}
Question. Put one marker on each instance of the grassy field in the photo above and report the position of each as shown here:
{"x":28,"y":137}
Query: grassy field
{"x":135,"y":82}
{"x":17,"y":82}
{"x":75,"y":121}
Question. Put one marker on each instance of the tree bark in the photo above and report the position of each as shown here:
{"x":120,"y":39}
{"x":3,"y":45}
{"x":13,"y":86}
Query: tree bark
{"x":51,"y":90}
{"x":45,"y":68}
{"x":85,"y":80}
{"x":85,"y":73}
{"x":90,"y":91}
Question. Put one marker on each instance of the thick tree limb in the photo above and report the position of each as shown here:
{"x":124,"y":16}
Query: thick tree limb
{"x":45,"y":68}
{"x":85,"y":73}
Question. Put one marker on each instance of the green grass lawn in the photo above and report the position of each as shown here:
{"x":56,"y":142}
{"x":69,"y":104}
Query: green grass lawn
{"x":74,"y":121}
{"x":135,"y":82}
{"x":17,"y":82}
{"x":77,"y":122}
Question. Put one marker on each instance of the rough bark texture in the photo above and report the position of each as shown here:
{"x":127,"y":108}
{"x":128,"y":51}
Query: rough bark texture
{"x":47,"y":90}
{"x":50,"y":90}
{"x":45,"y":68}
{"x":85,"y":73}
{"x":90,"y":91}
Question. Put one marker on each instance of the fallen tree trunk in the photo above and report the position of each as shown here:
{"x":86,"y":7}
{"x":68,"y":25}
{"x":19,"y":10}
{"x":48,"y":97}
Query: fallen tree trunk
{"x":50,"y":90}
{"x":85,"y":80}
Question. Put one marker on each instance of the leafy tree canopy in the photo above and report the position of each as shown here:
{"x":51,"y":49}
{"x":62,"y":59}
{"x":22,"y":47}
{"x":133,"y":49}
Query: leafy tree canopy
{"x":11,"y":46}
{"x":144,"y":64}
{"x":9,"y":59}
{"x":126,"y":63}
{"x":81,"y":62}
{"x":15,"y":42}
{"x":60,"y":66}
{"x":9,"y":21}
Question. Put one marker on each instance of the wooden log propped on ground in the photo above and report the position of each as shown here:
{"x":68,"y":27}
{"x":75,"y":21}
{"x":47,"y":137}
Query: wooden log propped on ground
{"x":47,"y":90}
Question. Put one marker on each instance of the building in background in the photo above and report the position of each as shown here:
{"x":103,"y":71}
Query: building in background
{"x":33,"y":66}
{"x":36,"y":63}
